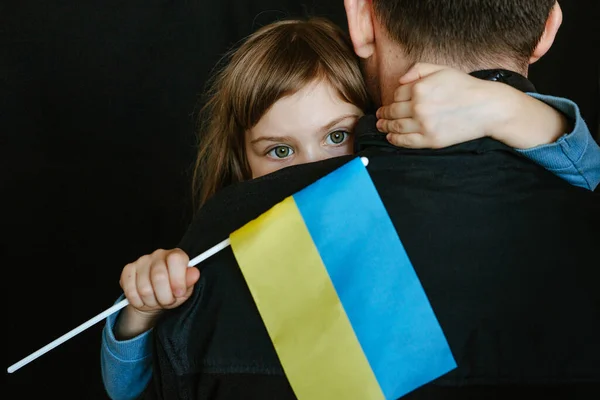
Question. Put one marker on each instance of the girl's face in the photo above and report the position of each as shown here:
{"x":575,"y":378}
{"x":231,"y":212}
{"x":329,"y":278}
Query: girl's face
{"x":311,"y":125}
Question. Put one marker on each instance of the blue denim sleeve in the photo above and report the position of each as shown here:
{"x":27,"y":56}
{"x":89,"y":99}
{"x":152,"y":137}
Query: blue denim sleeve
{"x":575,"y":157}
{"x":126,"y":365}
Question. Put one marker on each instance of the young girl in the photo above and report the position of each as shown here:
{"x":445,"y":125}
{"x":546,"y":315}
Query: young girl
{"x":290,"y":94}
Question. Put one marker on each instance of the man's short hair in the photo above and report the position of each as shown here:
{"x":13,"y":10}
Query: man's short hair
{"x":465,"y":31}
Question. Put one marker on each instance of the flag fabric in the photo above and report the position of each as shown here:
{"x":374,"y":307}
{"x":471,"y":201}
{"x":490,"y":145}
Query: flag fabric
{"x":338,"y":295}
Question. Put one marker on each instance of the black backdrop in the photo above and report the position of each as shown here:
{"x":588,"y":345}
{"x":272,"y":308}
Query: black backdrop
{"x":97,"y":102}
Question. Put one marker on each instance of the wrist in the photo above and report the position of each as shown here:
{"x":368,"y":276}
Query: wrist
{"x":148,"y":316}
{"x":504,"y":123}
{"x":132,"y":322}
{"x":496,"y":108}
{"x":525,"y":122}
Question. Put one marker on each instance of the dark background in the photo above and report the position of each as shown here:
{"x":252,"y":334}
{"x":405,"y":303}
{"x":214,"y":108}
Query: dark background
{"x":97,"y":141}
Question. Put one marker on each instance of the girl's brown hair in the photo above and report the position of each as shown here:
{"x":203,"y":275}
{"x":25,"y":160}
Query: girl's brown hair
{"x":276,"y":61}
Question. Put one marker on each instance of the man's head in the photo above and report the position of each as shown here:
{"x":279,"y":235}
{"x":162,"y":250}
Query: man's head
{"x":391,"y":35}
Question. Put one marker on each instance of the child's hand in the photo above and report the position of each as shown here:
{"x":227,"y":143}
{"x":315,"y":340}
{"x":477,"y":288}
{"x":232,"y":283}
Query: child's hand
{"x":436,"y":106}
{"x":157,"y":281}
{"x":153,"y":283}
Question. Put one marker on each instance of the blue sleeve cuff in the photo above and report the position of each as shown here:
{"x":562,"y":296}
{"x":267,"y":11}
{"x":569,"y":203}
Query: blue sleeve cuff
{"x":575,"y":156}
{"x":130,"y":350}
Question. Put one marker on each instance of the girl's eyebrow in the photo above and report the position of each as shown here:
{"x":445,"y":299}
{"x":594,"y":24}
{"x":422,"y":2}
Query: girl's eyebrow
{"x":272,"y":139}
{"x":338,"y":120}
{"x":288,"y":139}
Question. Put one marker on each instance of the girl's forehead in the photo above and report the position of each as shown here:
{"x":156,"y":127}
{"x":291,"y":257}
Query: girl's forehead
{"x":312,"y":108}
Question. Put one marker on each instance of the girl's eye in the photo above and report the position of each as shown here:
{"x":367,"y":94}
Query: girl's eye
{"x":337,"y":137}
{"x":280,"y":152}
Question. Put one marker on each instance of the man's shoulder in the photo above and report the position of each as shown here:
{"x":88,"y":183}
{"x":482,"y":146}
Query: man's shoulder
{"x":471,"y":170}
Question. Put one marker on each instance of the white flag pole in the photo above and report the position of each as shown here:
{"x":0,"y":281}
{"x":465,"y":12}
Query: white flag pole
{"x":122,"y":304}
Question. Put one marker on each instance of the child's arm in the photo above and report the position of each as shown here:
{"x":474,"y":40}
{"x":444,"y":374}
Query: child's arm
{"x":126,"y":365}
{"x":152,"y":284}
{"x":438,"y":106}
{"x":575,"y":157}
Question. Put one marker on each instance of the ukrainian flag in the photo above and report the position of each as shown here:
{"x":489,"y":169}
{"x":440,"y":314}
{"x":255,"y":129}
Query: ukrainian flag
{"x":338,"y":295}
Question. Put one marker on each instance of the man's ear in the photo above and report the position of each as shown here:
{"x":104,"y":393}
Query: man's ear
{"x":550,"y":30}
{"x":360,"y":25}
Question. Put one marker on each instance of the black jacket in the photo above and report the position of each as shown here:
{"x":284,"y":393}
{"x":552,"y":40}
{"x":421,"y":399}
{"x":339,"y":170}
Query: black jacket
{"x":504,"y":249}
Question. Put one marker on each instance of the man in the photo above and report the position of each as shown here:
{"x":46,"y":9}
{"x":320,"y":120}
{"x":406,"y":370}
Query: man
{"x":503,"y":248}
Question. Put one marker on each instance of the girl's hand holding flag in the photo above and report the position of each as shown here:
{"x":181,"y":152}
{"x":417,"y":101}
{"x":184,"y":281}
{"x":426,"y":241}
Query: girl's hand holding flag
{"x":154,"y":282}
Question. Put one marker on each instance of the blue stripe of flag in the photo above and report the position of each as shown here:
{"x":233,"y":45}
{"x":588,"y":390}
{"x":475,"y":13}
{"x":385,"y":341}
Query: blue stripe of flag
{"x":375,"y":280}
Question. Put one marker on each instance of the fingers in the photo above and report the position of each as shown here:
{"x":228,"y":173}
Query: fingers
{"x":192,"y":274}
{"x":395,"y":111}
{"x":406,"y":132}
{"x":157,"y":280}
{"x":399,"y":126}
{"x":177,"y":265}
{"x":161,"y":284}
{"x":128,"y":283}
{"x":419,"y":71}
{"x":408,"y":140}
{"x":401,"y":107}
{"x":146,"y":288}
{"x":404,"y":92}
